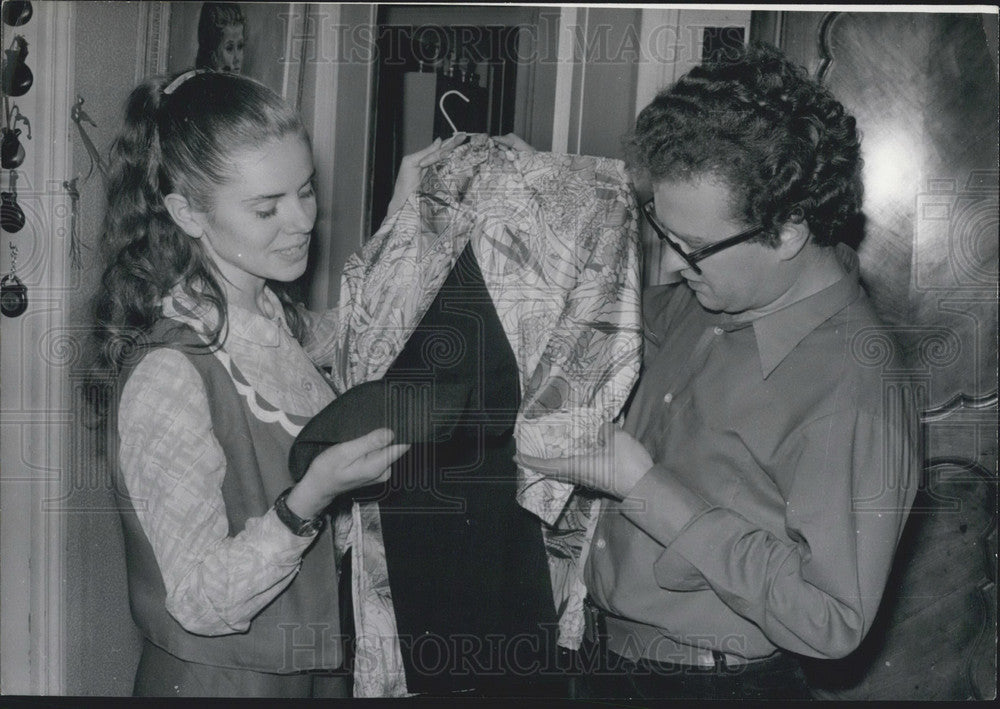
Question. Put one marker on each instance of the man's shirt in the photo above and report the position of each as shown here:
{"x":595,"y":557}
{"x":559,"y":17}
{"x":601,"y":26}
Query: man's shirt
{"x":785,"y":466}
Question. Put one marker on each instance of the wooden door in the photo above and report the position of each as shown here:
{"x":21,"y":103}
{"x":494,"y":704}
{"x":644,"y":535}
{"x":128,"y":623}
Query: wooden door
{"x":923,"y":88}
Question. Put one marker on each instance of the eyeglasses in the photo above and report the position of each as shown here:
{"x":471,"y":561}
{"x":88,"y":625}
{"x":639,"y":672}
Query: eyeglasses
{"x":693,"y":257}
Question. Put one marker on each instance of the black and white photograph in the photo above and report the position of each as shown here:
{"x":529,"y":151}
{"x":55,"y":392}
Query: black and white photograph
{"x":613,"y":355}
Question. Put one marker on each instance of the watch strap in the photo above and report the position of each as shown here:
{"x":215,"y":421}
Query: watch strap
{"x":297,"y":525}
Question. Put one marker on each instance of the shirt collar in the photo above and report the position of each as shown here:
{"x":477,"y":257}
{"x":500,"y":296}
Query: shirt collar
{"x":240,"y":323}
{"x":778,"y":333}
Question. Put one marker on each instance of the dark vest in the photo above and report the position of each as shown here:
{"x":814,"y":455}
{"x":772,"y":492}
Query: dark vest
{"x":299,"y":630}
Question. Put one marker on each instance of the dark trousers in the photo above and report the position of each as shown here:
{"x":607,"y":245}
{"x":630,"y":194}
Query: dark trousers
{"x":605,"y":674}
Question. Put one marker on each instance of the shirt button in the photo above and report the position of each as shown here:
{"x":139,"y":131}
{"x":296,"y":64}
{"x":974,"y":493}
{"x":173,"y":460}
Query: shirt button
{"x":601,"y":543}
{"x":718,"y":330}
{"x":668,"y":397}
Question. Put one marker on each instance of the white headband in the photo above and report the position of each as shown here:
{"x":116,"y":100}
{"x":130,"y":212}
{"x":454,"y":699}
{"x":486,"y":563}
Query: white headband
{"x":172,"y":86}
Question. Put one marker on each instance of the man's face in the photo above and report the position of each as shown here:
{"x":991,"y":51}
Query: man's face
{"x":698,"y":213}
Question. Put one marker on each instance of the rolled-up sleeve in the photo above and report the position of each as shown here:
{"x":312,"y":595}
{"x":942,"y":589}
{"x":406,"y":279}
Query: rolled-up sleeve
{"x":173,"y":468}
{"x":814,"y":590}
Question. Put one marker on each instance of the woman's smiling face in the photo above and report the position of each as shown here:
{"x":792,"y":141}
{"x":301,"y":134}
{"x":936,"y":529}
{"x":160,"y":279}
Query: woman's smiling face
{"x":261,"y":220}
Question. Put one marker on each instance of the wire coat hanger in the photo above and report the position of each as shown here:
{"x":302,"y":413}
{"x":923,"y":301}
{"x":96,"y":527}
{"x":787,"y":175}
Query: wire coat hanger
{"x":444,"y":113}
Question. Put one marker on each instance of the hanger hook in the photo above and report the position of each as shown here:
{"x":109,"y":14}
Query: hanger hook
{"x":445,"y":95}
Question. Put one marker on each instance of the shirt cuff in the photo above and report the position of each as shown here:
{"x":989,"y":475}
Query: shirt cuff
{"x":278,"y":543}
{"x":662,"y":506}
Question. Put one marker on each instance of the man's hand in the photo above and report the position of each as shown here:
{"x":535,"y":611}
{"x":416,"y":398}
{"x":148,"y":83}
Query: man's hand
{"x":613,"y":469}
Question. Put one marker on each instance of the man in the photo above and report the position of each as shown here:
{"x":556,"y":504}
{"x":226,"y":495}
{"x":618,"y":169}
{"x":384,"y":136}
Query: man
{"x":764,"y":472}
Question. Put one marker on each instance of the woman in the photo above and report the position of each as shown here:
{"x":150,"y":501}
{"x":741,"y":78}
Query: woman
{"x":210,"y":211}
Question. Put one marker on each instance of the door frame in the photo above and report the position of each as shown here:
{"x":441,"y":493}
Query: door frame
{"x":36,"y":352}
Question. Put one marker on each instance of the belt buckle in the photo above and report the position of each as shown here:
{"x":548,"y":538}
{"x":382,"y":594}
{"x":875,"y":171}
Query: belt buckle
{"x":725,"y":661}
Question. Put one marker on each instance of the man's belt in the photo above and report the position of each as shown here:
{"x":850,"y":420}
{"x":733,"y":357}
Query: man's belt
{"x":596,"y":631}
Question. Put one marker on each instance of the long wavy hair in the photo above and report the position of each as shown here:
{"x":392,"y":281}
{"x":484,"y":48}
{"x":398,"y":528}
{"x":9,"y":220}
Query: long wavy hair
{"x":182,"y":142}
{"x":782,"y":144}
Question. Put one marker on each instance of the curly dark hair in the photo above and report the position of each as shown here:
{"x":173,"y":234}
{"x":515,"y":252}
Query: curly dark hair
{"x":182,"y":142}
{"x":782,"y":144}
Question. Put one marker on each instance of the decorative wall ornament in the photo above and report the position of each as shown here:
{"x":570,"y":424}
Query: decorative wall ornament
{"x":17,"y":76}
{"x":16,"y":12}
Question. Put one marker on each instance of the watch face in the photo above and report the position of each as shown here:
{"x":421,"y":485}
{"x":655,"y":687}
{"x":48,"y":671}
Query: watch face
{"x":311,"y":526}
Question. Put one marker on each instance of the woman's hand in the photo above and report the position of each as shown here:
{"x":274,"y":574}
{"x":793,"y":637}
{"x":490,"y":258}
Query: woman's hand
{"x":412,"y":167}
{"x":343,"y":467}
{"x":513,"y":142}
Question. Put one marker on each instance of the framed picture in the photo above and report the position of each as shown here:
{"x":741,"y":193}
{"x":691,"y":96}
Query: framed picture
{"x":255,"y":38}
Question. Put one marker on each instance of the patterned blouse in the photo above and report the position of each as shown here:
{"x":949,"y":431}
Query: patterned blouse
{"x":173,"y":466}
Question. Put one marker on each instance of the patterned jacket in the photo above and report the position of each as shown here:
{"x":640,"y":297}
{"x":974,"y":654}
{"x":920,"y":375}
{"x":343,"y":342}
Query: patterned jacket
{"x":556,"y":239}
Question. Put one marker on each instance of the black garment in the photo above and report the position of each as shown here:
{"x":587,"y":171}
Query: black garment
{"x":399,"y":404}
{"x":467,"y":566}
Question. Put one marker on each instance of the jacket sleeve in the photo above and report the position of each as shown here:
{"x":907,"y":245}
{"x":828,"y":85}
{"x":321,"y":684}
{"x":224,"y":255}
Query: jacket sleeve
{"x":323,"y":336}
{"x":173,"y":467}
{"x":815,"y":592}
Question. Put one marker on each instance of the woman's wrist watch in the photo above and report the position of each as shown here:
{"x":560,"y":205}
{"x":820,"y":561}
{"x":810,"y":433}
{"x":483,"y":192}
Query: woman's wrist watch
{"x":297,"y":525}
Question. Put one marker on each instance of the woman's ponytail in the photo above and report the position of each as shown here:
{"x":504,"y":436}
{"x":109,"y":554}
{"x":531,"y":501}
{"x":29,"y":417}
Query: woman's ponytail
{"x":145,"y":252}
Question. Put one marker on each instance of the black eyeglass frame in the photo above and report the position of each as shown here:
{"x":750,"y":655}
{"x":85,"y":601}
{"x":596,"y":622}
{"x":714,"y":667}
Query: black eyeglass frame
{"x":649,"y":211}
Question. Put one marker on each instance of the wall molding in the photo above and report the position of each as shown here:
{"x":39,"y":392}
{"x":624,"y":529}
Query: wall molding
{"x":34,"y":399}
{"x":565,"y":71}
{"x":154,"y":39}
